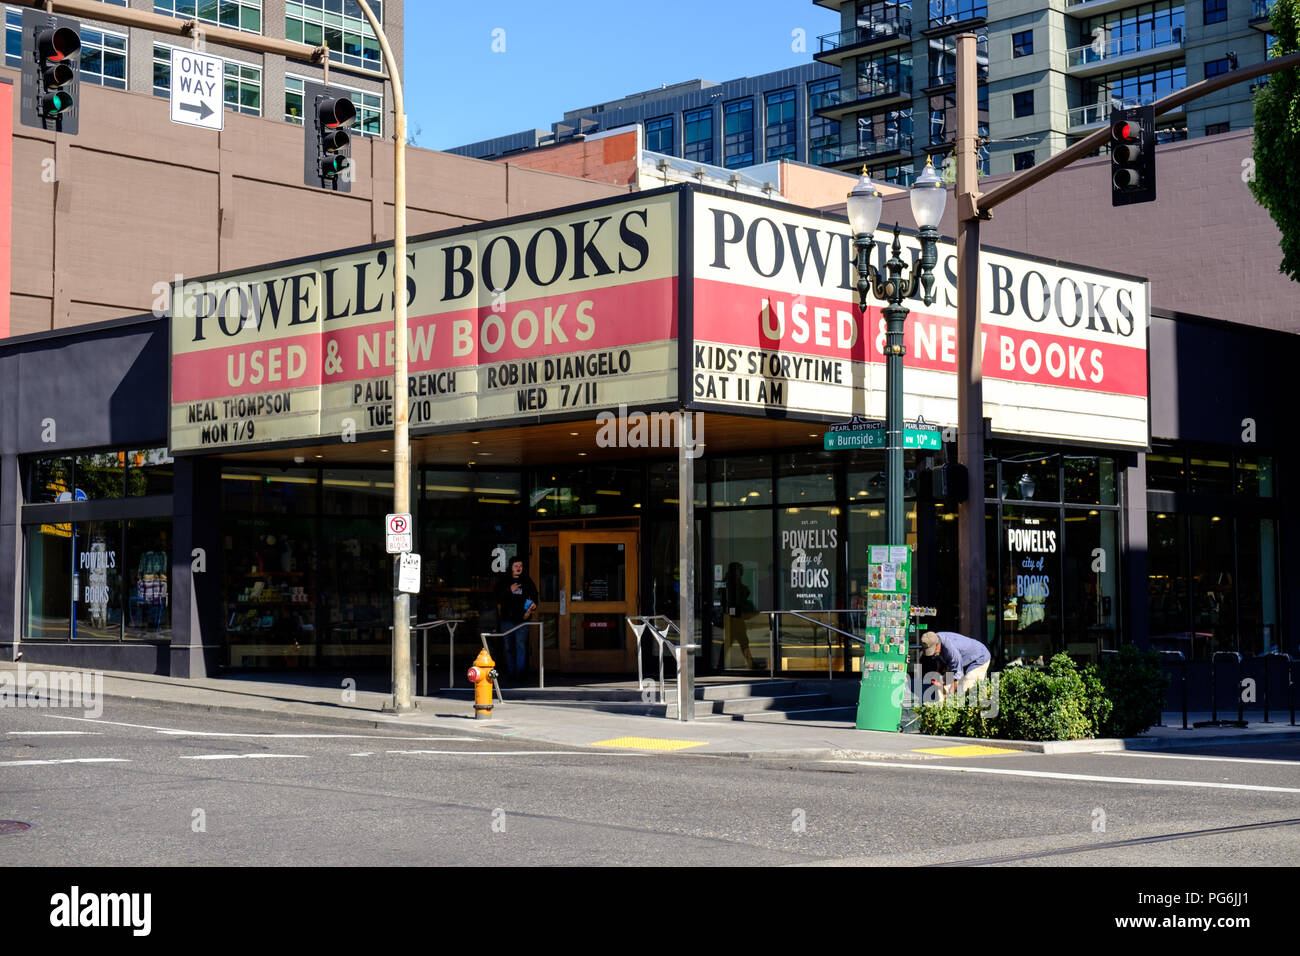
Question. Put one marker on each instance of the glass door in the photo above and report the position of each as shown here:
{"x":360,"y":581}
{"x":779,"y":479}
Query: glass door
{"x":598,"y":576}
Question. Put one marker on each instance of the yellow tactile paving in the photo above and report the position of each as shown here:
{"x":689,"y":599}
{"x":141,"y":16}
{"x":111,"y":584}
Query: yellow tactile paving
{"x":649,"y":743}
{"x":965,"y":750}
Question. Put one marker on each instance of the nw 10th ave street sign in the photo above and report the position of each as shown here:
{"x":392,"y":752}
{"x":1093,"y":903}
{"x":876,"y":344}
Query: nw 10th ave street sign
{"x":198,"y":89}
{"x":868,"y":434}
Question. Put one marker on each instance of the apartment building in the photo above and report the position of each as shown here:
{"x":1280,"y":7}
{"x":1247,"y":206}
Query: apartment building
{"x":1048,"y":74}
{"x":740,"y":123}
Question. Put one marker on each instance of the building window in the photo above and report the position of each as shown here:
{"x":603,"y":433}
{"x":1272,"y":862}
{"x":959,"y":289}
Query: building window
{"x":236,"y":14}
{"x":884,"y":74}
{"x":370,"y":106}
{"x":243,"y":83}
{"x":103,"y":58}
{"x":698,"y":130}
{"x":738,"y":133}
{"x":1024,"y":103}
{"x":1138,"y":86}
{"x":1215,"y":67}
{"x":823,"y":134}
{"x":1022,"y":44}
{"x":779,"y":133}
{"x":1216,"y":11}
{"x":1216,"y":128}
{"x":943,"y":59}
{"x":1024,"y":160}
{"x":943,"y":12}
{"x":889,"y":132}
{"x":943,"y":116}
{"x":339,"y":25}
{"x":659,"y":135}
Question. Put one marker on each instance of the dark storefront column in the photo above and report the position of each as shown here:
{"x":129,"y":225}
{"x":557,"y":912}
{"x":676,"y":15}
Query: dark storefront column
{"x":1136,"y":606}
{"x":196,"y":609}
{"x":11,"y":556}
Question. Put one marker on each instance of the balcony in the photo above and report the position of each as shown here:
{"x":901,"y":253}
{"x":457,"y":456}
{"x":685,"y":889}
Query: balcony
{"x":835,"y":47}
{"x":1085,"y":119}
{"x":1101,"y":56}
{"x":1261,"y":15}
{"x":839,"y":103}
{"x":892,"y":146}
{"x":1089,"y":8}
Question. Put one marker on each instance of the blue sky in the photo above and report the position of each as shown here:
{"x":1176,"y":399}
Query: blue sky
{"x":566,"y":54}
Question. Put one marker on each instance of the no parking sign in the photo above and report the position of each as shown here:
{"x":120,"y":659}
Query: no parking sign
{"x":398,"y":533}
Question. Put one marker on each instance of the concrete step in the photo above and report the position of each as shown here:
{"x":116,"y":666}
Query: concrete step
{"x":755,"y":705}
{"x":847,"y":716}
{"x":760,"y":688}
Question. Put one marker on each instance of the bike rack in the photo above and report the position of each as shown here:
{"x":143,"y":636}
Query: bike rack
{"x":1214,"y":720}
{"x":1286,"y":659}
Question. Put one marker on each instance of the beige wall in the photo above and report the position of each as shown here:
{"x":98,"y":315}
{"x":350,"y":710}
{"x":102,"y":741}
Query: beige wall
{"x":133,"y":200}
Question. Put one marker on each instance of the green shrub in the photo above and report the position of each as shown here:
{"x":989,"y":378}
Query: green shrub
{"x":1136,"y":684}
{"x":1056,"y":702}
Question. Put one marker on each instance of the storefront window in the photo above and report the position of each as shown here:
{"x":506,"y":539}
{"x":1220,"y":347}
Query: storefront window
{"x":273,"y":491}
{"x":806,"y":477}
{"x":1167,"y":596}
{"x":1211,"y":474}
{"x":1166,"y":469}
{"x":1255,"y":476}
{"x":49,"y":480}
{"x":1214,"y":594}
{"x":1090,"y":583}
{"x":662,"y":481}
{"x":97,"y":580}
{"x":149,"y":471}
{"x":808,"y":546}
{"x":742,"y":589}
{"x":49,"y":582}
{"x":270,"y":589}
{"x":148,"y":579}
{"x":357,"y":492}
{"x":1257,"y":604}
{"x":1089,"y":480}
{"x":1031,"y":477}
{"x":742,"y":481}
{"x":598,"y":491}
{"x":101,"y":476}
{"x":1031,"y":583}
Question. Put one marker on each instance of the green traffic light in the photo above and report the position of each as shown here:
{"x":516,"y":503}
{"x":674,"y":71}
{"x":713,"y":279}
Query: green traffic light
{"x":334,"y":166}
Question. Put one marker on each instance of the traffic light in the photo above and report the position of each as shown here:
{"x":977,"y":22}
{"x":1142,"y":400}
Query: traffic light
{"x":51,"y":53}
{"x":327,"y":149}
{"x":1132,"y":155}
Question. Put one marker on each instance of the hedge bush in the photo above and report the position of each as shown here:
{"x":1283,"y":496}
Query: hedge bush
{"x":1136,"y":684}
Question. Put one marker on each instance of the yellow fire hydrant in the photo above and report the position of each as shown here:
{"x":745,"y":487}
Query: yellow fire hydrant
{"x":481,"y":675}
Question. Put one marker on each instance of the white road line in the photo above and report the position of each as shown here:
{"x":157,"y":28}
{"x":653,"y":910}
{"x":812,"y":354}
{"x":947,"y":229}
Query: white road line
{"x":1050,"y":775}
{"x":248,"y":757}
{"x":1285,"y":763}
{"x":368,"y":754}
{"x":524,"y":753}
{"x":55,"y":733}
{"x":175,"y":732}
{"x":46,"y":763}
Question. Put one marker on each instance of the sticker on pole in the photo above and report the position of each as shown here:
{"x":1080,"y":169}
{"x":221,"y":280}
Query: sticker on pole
{"x":397,"y":528}
{"x":408,"y":574}
{"x":198,"y":89}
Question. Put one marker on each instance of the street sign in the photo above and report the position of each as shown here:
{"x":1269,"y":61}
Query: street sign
{"x":198,"y":89}
{"x":929,"y":437}
{"x":408,"y":574}
{"x":399,"y":534}
{"x":864,"y":438}
{"x":873,"y":435}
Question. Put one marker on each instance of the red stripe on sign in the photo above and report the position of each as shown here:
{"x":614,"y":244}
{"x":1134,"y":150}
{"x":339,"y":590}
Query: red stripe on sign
{"x":278,"y":364}
{"x":812,"y":325}
{"x":609,"y":318}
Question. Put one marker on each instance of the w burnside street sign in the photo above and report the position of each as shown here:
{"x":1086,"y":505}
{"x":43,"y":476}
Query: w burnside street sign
{"x":198,"y":89}
{"x":863,"y":433}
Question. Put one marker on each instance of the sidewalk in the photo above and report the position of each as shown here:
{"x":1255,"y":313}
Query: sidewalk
{"x":576,"y":726}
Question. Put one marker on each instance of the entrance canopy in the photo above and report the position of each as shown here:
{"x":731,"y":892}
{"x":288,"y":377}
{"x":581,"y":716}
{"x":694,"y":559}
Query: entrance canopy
{"x":677,"y":298}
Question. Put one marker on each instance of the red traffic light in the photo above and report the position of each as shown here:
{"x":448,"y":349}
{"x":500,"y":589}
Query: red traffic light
{"x":58,"y":44}
{"x":336,"y":113}
{"x":1123,"y":130}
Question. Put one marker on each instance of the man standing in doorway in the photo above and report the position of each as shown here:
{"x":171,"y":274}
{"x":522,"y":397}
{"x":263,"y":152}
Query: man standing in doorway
{"x":962,"y":661}
{"x":516,"y":603}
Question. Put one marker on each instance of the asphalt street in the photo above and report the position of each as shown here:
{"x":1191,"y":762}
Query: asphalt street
{"x":153,"y":786}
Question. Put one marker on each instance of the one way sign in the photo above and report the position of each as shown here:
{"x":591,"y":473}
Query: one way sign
{"x":198,"y":89}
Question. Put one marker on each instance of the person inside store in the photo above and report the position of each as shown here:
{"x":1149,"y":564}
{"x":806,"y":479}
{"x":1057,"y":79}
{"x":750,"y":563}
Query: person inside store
{"x":962,"y":661}
{"x":738,"y":608}
{"x":516,"y":604}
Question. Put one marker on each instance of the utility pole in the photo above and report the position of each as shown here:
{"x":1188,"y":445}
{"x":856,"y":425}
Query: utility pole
{"x":401,"y":395}
{"x":972,"y":572}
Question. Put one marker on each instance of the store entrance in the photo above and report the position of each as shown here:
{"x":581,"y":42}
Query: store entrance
{"x":587,"y":582}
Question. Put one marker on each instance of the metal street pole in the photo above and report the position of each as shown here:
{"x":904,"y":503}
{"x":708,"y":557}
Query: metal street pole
{"x":895,"y":313}
{"x":401,"y":398}
{"x":970,"y":353}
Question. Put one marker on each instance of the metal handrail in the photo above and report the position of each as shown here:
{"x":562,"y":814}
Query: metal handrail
{"x":541,"y":646}
{"x":830,"y":649}
{"x":644,"y":622}
{"x":452,"y":623}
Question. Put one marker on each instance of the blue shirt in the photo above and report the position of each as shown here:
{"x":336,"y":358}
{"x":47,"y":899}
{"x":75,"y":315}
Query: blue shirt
{"x":959,"y":654}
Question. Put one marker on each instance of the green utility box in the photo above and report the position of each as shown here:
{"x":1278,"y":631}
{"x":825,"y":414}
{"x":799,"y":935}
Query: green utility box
{"x":884,"y":657}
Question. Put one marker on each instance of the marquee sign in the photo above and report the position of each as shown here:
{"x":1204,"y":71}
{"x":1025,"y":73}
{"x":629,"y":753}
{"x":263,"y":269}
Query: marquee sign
{"x":577,"y":312}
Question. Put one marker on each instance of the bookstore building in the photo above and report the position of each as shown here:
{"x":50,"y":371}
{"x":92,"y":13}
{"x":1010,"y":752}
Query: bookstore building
{"x":207,"y":490}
